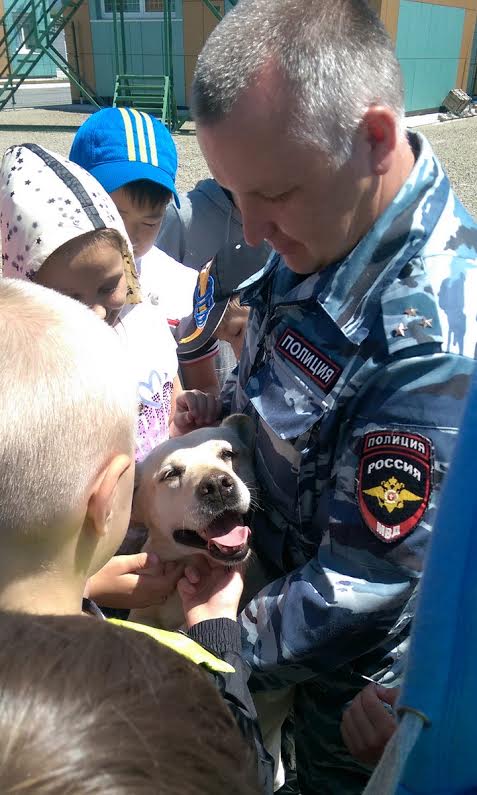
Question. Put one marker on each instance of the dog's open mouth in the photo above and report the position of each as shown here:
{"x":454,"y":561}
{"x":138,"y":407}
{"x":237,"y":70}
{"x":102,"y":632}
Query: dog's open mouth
{"x":226,"y":538}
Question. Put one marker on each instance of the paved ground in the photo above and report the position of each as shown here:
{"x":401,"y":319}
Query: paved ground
{"x":455,"y":142}
{"x":62,"y":126}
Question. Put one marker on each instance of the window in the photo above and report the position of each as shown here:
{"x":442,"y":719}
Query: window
{"x":138,"y":8}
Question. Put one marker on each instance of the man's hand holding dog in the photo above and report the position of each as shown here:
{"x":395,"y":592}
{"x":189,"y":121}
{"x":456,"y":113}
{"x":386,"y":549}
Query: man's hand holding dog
{"x":129,"y":581}
{"x":367,"y":725}
{"x":210,"y":591}
{"x":194,"y":409}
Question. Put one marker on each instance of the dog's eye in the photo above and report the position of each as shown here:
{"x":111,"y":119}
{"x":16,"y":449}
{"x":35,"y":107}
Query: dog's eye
{"x":228,"y":455}
{"x":170,"y":474}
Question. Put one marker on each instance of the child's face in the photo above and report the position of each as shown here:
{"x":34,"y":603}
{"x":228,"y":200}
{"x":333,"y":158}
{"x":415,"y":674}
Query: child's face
{"x":232,"y":328}
{"x":93,"y":275}
{"x":142,"y":222}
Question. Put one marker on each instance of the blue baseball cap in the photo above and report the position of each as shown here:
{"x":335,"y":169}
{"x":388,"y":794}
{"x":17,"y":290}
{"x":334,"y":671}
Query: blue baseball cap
{"x":121,"y":145}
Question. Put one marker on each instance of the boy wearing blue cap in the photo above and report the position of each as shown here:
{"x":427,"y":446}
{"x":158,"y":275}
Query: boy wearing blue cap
{"x":133,"y":156}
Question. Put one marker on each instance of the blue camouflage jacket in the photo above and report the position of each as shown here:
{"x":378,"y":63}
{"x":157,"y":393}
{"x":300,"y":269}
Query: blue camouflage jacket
{"x":356,"y":379}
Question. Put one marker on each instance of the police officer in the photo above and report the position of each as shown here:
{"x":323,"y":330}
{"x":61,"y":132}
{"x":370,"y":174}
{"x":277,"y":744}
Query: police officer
{"x":359,"y":349}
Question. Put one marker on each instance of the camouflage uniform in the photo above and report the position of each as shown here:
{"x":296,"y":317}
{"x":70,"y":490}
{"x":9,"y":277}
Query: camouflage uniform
{"x":356,"y":379}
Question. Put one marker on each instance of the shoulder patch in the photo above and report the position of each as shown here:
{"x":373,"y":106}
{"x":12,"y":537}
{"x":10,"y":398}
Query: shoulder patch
{"x":394,"y":482}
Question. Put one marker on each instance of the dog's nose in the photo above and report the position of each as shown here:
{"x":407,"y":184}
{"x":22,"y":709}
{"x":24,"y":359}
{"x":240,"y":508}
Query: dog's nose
{"x":215,"y":485}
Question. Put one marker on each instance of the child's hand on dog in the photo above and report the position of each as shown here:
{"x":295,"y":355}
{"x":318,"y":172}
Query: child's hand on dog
{"x":209,"y":590}
{"x":194,"y":410}
{"x":129,"y":581}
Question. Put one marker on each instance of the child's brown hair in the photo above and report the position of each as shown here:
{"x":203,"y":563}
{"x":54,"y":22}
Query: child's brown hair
{"x":89,"y":239}
{"x":87,"y":707}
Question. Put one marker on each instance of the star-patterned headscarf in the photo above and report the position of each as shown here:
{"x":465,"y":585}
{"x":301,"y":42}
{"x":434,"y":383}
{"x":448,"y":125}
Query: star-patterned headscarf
{"x":45,"y":201}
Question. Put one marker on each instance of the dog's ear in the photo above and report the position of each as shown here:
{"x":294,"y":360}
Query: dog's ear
{"x":243,"y":427}
{"x":136,"y":513}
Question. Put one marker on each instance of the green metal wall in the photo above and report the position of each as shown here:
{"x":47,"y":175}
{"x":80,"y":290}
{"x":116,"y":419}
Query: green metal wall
{"x":144,"y":44}
{"x":428,"y":46}
{"x":45,"y":67}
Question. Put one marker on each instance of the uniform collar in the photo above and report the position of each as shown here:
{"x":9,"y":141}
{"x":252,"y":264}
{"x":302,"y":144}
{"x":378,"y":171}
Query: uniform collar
{"x":350,"y":290}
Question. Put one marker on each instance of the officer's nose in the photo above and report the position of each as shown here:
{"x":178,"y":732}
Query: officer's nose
{"x":99,"y":310}
{"x":257,"y":224}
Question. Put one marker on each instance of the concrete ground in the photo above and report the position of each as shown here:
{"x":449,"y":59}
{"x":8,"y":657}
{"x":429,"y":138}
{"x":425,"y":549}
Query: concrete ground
{"x":55,"y":130}
{"x":455,"y":143}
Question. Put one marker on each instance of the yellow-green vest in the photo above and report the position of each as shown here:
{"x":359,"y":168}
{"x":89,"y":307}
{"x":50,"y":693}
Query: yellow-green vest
{"x":181,"y":644}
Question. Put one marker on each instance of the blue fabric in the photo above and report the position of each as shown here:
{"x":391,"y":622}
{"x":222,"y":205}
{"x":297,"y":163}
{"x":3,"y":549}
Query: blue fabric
{"x":441,"y":680}
{"x":101,"y":147}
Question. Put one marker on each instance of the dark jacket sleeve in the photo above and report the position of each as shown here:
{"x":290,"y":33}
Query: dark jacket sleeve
{"x":222,"y":636}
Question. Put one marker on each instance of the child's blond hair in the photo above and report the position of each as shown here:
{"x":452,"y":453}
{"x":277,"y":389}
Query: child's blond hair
{"x":67,"y":405}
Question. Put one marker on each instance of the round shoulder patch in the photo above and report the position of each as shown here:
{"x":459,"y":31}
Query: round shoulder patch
{"x":394,"y":482}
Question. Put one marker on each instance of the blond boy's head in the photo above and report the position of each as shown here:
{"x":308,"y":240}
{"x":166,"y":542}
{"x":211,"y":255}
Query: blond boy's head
{"x":66,"y":425}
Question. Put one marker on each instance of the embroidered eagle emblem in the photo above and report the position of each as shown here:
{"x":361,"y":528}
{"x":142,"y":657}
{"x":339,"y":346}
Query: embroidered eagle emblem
{"x":392,"y":494}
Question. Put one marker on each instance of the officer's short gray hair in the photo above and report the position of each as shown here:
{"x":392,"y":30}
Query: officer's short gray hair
{"x":335,"y":56}
{"x":68,"y":405}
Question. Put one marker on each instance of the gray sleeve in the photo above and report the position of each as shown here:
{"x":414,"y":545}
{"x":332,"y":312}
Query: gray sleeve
{"x":172,"y":236}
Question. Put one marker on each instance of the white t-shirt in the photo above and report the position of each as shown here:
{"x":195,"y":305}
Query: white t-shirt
{"x":170,"y":285}
{"x":167,"y":283}
{"x":151,"y":352}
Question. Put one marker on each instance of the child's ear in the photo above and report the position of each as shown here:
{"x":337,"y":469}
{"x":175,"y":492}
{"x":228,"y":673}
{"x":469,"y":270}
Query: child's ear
{"x":101,"y":501}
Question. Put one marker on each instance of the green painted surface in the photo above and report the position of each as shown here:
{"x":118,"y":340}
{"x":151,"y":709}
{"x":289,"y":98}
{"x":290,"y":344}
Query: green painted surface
{"x":428,"y":46}
{"x":45,"y":67}
{"x":144,"y":43}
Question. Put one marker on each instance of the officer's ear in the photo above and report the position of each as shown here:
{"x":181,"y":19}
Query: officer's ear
{"x":380,"y":128}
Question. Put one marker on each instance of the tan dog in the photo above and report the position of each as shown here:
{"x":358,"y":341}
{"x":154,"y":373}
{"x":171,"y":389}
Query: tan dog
{"x":192,"y":495}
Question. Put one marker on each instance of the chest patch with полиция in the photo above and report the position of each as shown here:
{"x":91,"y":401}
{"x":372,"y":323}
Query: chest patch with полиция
{"x":309,"y":359}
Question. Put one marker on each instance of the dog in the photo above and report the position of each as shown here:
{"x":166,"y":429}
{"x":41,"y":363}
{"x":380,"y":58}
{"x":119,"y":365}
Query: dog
{"x":193,"y":494}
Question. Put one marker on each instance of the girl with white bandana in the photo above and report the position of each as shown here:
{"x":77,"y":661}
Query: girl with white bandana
{"x":61,"y":229}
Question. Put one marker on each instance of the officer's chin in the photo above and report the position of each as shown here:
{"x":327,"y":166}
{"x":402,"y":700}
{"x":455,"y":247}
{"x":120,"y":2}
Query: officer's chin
{"x":301,"y":261}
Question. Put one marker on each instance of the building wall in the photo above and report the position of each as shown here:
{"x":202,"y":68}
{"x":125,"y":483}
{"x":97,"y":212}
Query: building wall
{"x":44,"y":68}
{"x":191,"y":25}
{"x":81,"y":57}
{"x":144,"y":48}
{"x":4,"y":70}
{"x":434,"y":43}
{"x":198,"y":24}
{"x":429,"y":40}
{"x":472,"y":74}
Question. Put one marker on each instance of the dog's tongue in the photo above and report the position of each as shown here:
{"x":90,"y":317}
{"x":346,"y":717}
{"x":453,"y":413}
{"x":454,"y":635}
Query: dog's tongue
{"x":227,"y":532}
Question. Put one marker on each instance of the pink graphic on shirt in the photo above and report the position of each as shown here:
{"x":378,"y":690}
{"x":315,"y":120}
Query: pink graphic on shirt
{"x":155,"y":400}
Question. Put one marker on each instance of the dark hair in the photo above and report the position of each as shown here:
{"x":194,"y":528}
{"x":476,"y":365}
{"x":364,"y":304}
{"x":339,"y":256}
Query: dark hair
{"x":144,"y":192}
{"x":87,"y":707}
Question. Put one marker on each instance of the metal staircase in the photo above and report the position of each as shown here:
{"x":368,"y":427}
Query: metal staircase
{"x":150,"y":93}
{"x":30,"y":28}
